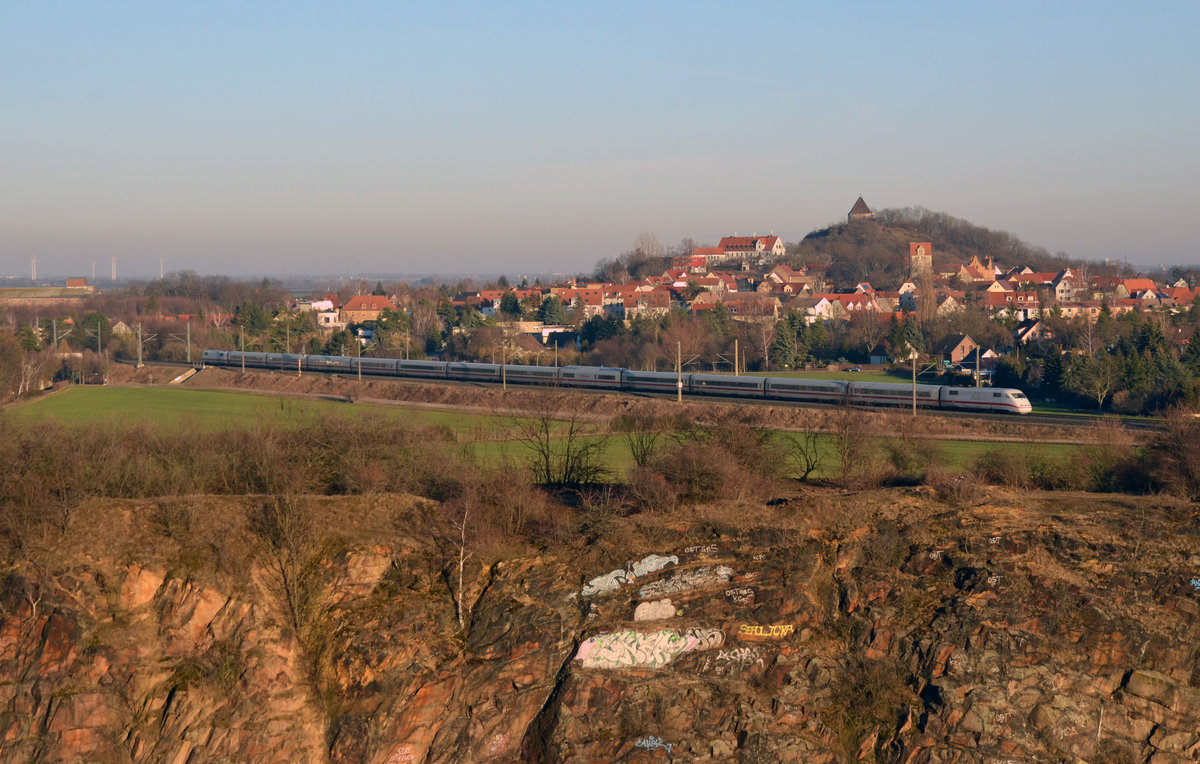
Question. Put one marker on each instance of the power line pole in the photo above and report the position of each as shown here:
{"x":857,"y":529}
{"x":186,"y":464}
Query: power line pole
{"x":140,"y":340}
{"x":914,"y":380}
{"x":678,"y":372}
{"x":242,"y":332}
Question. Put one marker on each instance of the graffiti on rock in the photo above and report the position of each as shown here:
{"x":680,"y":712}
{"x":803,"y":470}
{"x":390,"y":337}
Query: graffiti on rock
{"x":612,"y":581}
{"x":733,"y":661}
{"x":630,"y":649}
{"x":754,"y":631}
{"x":606,"y":584}
{"x":652,"y":743}
{"x":652,"y":564}
{"x":656,"y":610}
{"x":403,"y":753}
{"x":687,"y":580}
{"x":743,"y":596}
{"x":702,"y":551}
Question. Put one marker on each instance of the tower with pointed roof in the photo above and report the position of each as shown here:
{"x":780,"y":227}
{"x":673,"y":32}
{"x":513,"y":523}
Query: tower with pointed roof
{"x":860,"y":211}
{"x":920,"y":258}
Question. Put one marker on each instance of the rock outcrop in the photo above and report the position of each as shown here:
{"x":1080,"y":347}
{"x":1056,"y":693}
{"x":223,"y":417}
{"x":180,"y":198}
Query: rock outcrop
{"x":1026,"y":628}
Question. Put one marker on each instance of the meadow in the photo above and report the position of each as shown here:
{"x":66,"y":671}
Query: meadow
{"x":490,"y":439}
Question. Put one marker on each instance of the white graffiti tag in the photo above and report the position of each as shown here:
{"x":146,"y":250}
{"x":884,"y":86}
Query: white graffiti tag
{"x":651,"y":743}
{"x":654,"y":611}
{"x":612,"y":581}
{"x":624,"y":649}
{"x":743,"y":596}
{"x":687,"y":580}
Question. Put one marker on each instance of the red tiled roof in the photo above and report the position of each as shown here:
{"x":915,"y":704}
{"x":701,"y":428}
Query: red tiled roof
{"x":860,"y":208}
{"x":1139,"y":285}
{"x":369,"y":302}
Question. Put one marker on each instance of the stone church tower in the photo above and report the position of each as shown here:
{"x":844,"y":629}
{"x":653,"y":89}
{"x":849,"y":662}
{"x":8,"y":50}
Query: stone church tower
{"x":920,"y":257}
{"x":860,"y":211}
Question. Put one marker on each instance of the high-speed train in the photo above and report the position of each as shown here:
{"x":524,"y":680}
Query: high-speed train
{"x":990,"y":399}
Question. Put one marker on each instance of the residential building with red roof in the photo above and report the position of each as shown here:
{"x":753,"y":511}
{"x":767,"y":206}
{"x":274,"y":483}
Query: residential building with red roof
{"x":365,"y":307}
{"x":1130,"y":287}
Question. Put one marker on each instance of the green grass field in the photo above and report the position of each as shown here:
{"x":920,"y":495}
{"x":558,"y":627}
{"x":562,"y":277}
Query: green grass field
{"x":218,"y":409}
{"x":487,"y":436}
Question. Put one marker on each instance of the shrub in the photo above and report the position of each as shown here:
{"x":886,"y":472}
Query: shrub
{"x":650,"y":491}
{"x":955,"y":488}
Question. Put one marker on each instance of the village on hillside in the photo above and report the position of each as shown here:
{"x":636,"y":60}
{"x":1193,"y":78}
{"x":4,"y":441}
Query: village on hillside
{"x":745,"y":304}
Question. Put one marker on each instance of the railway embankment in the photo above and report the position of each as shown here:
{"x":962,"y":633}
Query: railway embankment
{"x":602,"y":406}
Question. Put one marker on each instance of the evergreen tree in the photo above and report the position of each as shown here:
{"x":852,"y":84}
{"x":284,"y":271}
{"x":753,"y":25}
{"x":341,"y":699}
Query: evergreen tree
{"x":783,"y":349}
{"x":30,"y":342}
{"x":509,"y":304}
{"x":1052,"y":370}
{"x":552,"y":311}
{"x":446,"y":310}
{"x":815,"y":338}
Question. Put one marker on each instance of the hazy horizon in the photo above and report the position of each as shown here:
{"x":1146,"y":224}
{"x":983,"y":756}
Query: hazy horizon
{"x":479,"y":138}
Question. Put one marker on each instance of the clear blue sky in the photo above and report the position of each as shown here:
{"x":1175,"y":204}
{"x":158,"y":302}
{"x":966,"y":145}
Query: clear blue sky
{"x":253,"y":137}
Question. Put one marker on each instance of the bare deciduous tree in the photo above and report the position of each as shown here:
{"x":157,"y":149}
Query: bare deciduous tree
{"x":641,"y":433}
{"x":648,"y":244}
{"x":804,"y":451}
{"x":869,"y":327}
{"x":565,"y":450}
{"x":849,"y":431}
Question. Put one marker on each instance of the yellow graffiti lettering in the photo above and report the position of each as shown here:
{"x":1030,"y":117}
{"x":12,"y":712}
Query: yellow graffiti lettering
{"x":777,"y":631}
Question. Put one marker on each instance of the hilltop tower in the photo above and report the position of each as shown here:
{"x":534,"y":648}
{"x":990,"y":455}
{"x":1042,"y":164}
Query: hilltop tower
{"x":920,"y":258}
{"x":860,"y":211}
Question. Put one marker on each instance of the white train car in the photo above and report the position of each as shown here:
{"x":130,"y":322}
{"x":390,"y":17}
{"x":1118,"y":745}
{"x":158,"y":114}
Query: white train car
{"x":332,"y":363}
{"x":892,"y":394}
{"x":473,"y":372}
{"x":790,"y":389}
{"x":374,"y":365}
{"x":653,"y":381}
{"x":723,"y":384}
{"x":421,"y":369}
{"x":1002,"y":399}
{"x":590,"y":376}
{"x":531,"y":375}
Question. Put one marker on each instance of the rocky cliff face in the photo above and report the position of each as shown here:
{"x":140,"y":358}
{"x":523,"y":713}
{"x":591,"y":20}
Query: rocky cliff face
{"x":884,"y":626}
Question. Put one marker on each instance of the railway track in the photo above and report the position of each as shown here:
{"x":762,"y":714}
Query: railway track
{"x":1035,"y":418}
